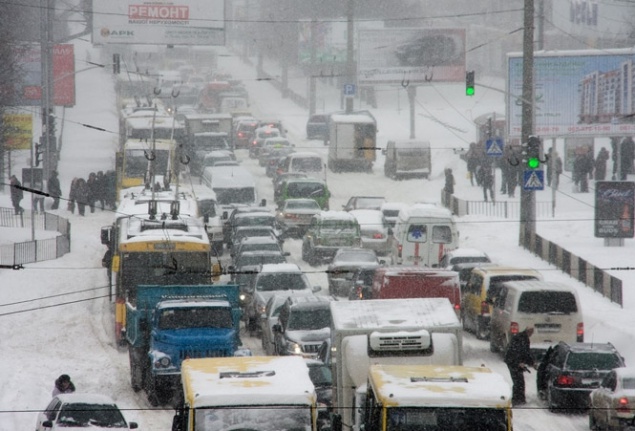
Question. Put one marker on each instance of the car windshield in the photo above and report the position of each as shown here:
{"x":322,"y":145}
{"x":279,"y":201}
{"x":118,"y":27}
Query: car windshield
{"x":339,"y":225}
{"x":446,"y":419}
{"x":257,"y":259}
{"x":262,"y":246}
{"x":592,"y":360}
{"x":296,"y":205}
{"x":304,"y":190}
{"x":307,"y":164}
{"x":251,"y":232}
{"x":86,"y":415}
{"x":281,"y":281}
{"x":310,"y":319}
{"x":356,"y":256}
{"x":267,"y":220}
{"x":547,"y":302}
{"x":195,"y":317}
{"x":469,"y":259}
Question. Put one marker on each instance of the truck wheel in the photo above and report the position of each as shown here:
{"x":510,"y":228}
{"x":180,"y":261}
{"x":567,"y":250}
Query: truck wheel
{"x":136,"y":371}
{"x":151,"y":389}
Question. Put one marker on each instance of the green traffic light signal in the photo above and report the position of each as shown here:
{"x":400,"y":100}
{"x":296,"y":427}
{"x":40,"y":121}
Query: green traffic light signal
{"x":469,"y":83}
{"x":533,"y":163}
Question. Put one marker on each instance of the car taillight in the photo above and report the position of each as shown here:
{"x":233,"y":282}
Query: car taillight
{"x":290,"y":216}
{"x":564,"y":380}
{"x":484,"y":308}
{"x":622,"y":405}
{"x":457,"y":307}
{"x":378,"y":236}
{"x":399,"y":250}
{"x":580,"y":332}
{"x":241,"y":135}
{"x":358,"y":292}
{"x":513,"y":328}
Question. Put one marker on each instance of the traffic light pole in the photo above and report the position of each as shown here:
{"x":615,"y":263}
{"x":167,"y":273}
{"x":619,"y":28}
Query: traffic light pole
{"x":527,"y":198}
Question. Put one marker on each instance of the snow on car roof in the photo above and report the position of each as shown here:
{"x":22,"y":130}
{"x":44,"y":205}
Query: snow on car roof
{"x":368,"y":217}
{"x":352,"y":118}
{"x":337,"y":215}
{"x":393,"y":205}
{"x":424,"y":210}
{"x":85,"y":398}
{"x":467,"y":252}
{"x":280,"y":267}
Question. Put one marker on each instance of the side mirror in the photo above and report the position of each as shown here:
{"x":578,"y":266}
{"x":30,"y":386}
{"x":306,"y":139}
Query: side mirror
{"x":225,"y":215}
{"x":277,"y":328}
{"x":382,"y":262}
{"x":133,"y":425}
{"x":206,"y":219}
{"x":391,"y":232}
{"x":105,"y":235}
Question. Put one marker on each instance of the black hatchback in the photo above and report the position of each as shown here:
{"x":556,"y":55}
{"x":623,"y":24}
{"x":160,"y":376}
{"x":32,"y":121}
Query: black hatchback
{"x":569,"y":372}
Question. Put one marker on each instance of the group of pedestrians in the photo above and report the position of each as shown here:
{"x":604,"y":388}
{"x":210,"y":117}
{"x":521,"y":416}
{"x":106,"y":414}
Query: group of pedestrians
{"x":97,"y":189}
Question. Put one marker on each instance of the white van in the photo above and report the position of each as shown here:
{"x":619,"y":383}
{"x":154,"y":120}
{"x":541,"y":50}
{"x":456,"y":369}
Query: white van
{"x":552,"y":308}
{"x":232,"y":184}
{"x":407,"y":158}
{"x":305,"y":162}
{"x":423,"y":233}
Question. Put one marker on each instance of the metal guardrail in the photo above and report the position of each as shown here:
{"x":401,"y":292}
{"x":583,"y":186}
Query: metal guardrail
{"x":576,"y":267}
{"x":38,"y":250}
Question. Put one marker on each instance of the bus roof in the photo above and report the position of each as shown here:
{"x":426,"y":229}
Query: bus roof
{"x":248,"y":380}
{"x":439,"y":385}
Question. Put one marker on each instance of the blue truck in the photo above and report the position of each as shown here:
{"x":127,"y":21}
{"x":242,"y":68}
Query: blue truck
{"x":167,"y":324}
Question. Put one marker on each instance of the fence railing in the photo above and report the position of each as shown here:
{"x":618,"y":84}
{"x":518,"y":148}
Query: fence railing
{"x":576,"y":267}
{"x":39,"y":250}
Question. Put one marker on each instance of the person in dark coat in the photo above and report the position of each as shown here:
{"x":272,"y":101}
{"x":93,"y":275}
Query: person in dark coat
{"x":63,"y":385}
{"x":449,"y":181}
{"x":472,"y":158}
{"x":81,"y":195}
{"x":600,"y":164}
{"x":582,"y":168}
{"x":54,"y":189}
{"x":110,"y":189}
{"x":487,"y":179}
{"x":92,"y":188}
{"x":101,"y":190}
{"x":627,"y":154}
{"x":16,"y":194}
{"x":518,"y":358}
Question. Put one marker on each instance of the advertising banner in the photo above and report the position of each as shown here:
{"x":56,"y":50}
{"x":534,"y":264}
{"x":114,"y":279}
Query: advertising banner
{"x":614,"y":209}
{"x":30,"y":86}
{"x":412,"y":55}
{"x":18,"y":131}
{"x":576,"y":93}
{"x":159,"y":22}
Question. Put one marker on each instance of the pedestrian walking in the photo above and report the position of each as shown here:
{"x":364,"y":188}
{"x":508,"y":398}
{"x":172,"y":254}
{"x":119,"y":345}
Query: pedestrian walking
{"x":92,"y":189}
{"x":16,"y":194}
{"x":582,"y":167}
{"x":627,"y":154}
{"x":449,"y":181}
{"x":600,"y":164}
{"x":472,"y":162}
{"x":72,"y":195}
{"x":487,"y":179}
{"x":518,"y":358}
{"x":54,"y":189}
{"x":82,"y":196}
{"x":101,"y":189}
{"x":557,"y":170}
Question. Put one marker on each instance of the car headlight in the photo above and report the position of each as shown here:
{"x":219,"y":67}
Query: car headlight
{"x":162,"y":361}
{"x":294,"y":348}
{"x":261,"y":308}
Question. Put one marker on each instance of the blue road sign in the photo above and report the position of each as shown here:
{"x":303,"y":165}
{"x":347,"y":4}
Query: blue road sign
{"x":494,"y":147}
{"x":350,"y":89}
{"x":533,"y":179}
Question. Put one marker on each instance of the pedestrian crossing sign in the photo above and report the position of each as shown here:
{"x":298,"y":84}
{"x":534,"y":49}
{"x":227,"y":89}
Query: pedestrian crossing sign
{"x":494,"y":147}
{"x":533,"y":179}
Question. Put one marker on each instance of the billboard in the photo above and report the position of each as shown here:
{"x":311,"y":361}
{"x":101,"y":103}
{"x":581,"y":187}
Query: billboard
{"x":415,"y":55}
{"x":159,"y":22}
{"x":576,"y":93}
{"x":29,"y":91}
{"x":614,"y":209}
{"x":330,"y":40}
{"x":17,"y":131}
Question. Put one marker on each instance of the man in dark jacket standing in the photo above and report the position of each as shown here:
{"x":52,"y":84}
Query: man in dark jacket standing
{"x":54,"y":189}
{"x":518,"y":358}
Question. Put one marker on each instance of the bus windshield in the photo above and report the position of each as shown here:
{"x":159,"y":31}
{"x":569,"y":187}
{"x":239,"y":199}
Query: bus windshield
{"x":261,"y":418}
{"x":446,"y":419}
{"x":136,"y":163}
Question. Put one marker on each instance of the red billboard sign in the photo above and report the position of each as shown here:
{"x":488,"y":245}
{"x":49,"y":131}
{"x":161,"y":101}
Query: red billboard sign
{"x":30,"y":87}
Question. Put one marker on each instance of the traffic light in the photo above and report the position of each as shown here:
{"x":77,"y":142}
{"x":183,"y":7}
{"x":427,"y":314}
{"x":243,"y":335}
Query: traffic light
{"x":469,"y":83}
{"x":533,"y":156}
{"x":116,"y":64}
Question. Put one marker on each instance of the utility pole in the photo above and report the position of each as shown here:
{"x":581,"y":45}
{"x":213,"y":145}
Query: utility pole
{"x":46,"y":59}
{"x":312,"y":78}
{"x":527,"y":198}
{"x":351,"y":73}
